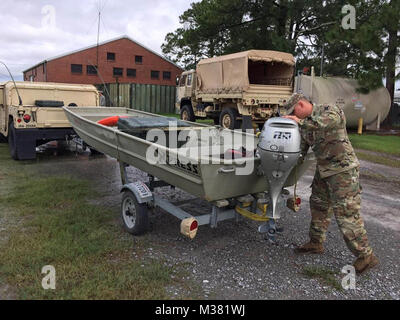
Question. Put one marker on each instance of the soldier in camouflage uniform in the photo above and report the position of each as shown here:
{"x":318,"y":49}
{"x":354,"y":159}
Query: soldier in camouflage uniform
{"x":335,"y":188}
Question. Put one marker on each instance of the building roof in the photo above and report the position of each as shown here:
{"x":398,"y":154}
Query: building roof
{"x":100,"y":44}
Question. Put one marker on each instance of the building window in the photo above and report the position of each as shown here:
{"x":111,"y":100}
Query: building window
{"x":76,"y":68}
{"x":155,"y":74}
{"x":110,"y":56}
{"x":131,"y":72}
{"x":139,"y":59}
{"x":118,"y":72}
{"x":91,"y":70}
{"x":166,"y":75}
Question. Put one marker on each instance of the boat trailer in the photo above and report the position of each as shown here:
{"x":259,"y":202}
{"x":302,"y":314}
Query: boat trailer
{"x":138,"y":197}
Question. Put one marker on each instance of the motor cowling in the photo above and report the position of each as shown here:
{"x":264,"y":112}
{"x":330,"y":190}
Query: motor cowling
{"x":279,"y":150}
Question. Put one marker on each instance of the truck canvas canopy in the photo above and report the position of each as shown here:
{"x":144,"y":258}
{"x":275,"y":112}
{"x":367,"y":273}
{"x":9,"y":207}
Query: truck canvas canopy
{"x":235,"y":72}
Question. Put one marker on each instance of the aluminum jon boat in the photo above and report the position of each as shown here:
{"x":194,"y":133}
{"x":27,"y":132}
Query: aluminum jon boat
{"x":208,"y":162}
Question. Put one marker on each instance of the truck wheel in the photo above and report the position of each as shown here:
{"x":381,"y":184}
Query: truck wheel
{"x":187,"y":113}
{"x":134,"y":215}
{"x":228,"y":119}
{"x":12,"y":142}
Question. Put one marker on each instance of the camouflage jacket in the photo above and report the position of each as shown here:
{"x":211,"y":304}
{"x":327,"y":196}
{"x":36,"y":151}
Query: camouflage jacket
{"x":325,"y":132}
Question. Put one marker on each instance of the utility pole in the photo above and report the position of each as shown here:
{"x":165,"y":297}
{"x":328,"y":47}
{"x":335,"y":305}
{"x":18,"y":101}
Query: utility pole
{"x":322,"y":59}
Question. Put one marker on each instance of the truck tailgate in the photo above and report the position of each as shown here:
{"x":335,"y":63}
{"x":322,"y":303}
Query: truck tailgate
{"x":51,"y":118}
{"x":268,"y":94}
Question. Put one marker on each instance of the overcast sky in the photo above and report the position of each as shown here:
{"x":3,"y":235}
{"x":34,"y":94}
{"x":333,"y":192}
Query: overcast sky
{"x":34,"y":30}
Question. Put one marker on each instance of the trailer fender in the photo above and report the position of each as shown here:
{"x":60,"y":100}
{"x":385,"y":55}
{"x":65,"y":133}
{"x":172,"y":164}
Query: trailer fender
{"x":140,"y":190}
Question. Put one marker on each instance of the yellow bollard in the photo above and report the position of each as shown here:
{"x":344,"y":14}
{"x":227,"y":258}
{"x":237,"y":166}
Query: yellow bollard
{"x":360,"y":125}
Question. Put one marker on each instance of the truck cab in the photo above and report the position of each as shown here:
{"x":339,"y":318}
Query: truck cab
{"x":243,"y":89}
{"x":186,"y":95}
{"x":31,"y":113}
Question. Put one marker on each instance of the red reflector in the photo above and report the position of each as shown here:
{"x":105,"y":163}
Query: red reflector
{"x":19,"y":120}
{"x":298,"y":201}
{"x":194,"y":225}
{"x":27,"y":118}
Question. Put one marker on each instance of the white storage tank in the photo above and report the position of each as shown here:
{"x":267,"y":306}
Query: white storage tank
{"x":342,"y":92}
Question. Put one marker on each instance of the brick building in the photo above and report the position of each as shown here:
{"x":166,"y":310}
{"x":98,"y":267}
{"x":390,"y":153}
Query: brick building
{"x":121,"y":60}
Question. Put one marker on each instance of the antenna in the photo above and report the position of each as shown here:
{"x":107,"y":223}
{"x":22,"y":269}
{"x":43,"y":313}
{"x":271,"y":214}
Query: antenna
{"x":98,"y":37}
{"x":16,"y":88}
{"x":101,"y":78}
{"x":101,"y":7}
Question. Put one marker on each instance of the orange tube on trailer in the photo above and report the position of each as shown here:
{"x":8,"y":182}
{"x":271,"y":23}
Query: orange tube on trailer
{"x":110,"y":121}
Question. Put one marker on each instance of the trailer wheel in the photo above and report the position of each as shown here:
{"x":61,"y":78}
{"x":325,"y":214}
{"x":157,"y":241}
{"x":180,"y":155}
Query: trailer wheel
{"x":12,"y":141}
{"x":187,"y":113}
{"x":228,"y":119}
{"x":134,"y":215}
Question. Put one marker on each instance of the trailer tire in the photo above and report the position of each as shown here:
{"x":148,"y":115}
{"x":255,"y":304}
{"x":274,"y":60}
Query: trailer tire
{"x":228,"y":119}
{"x":187,"y":113}
{"x":134,"y":214}
{"x":12,"y":141}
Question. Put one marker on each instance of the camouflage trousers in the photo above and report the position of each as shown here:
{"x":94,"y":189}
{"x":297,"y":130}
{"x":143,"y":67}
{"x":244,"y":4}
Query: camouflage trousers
{"x":339,"y":194}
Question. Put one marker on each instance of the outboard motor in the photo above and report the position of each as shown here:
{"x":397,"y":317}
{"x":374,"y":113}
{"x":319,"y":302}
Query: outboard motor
{"x":279,"y":150}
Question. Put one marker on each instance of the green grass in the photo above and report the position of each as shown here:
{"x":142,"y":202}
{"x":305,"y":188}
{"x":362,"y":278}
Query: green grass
{"x":378,"y":159}
{"x":325,"y":275}
{"x":50,"y":222}
{"x":377,"y":143}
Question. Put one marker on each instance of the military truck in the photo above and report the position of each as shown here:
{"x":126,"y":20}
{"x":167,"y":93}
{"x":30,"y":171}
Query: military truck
{"x":243,"y":89}
{"x":31,"y":113}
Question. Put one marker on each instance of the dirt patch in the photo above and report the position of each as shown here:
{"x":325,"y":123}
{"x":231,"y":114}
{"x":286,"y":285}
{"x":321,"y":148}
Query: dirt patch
{"x":7,"y":292}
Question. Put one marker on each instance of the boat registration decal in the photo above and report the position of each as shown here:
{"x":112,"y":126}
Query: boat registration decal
{"x":189,"y":167}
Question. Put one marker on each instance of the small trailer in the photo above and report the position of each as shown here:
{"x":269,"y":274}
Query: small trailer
{"x":224,"y":167}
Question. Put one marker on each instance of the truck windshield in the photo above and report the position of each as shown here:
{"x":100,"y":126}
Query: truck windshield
{"x":183,"y":81}
{"x":189,"y":80}
{"x":270,"y":73}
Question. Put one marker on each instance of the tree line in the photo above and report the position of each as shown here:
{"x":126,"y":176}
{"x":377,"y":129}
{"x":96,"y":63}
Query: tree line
{"x":351,"y":38}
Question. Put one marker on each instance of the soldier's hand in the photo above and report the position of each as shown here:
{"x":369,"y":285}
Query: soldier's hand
{"x":300,"y":160}
{"x":292,"y":117}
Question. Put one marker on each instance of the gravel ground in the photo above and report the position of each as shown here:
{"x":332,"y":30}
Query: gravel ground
{"x":234,"y":261}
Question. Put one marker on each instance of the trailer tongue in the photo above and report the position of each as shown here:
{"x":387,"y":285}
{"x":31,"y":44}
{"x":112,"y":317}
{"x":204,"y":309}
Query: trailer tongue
{"x":224,"y":167}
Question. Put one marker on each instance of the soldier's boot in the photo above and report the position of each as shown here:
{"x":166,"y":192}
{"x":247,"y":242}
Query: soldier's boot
{"x":363,"y":264}
{"x":310,"y":247}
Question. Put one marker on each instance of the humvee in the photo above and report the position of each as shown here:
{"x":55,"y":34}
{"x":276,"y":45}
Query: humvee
{"x":31,"y":113}
{"x":243,"y":89}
